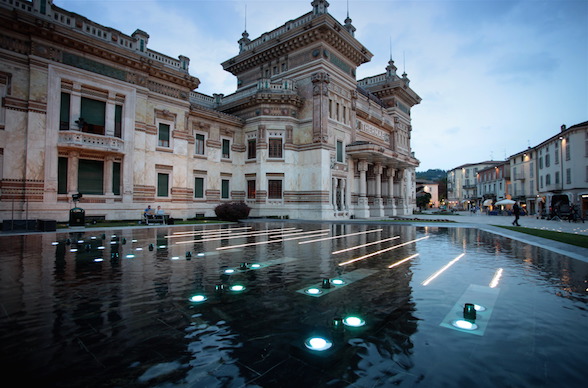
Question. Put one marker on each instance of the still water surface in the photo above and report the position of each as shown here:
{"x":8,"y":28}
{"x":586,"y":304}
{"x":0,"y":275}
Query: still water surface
{"x":113,"y":308}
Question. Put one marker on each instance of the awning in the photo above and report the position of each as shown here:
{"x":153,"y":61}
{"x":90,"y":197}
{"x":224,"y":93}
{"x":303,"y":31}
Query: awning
{"x":487,"y":202}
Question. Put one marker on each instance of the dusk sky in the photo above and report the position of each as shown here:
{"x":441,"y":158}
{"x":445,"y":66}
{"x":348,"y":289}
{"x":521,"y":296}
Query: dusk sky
{"x":495,"y":77}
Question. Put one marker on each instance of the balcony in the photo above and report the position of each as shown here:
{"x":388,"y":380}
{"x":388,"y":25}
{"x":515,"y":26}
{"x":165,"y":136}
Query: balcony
{"x":90,"y":141}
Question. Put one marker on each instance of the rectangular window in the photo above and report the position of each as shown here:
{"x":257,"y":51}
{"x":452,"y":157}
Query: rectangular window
{"x":275,"y":148}
{"x":199,"y":140}
{"x":225,"y":188}
{"x":274,"y":187}
{"x":548,"y":179}
{"x":568,"y":176}
{"x":116,"y":178}
{"x":251,"y":149}
{"x":91,"y":177}
{"x":118,"y":121}
{"x":251,"y":189}
{"x":163,"y":139}
{"x":547,"y":162}
{"x":61,"y":175}
{"x":226,"y":148}
{"x":93,"y":113}
{"x":198,"y":187}
{"x":162,"y":185}
{"x":557,"y":177}
{"x":339,"y":151}
{"x":567,"y":150}
{"x":64,"y":112}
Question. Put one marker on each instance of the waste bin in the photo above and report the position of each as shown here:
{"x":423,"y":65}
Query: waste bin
{"x":77,"y":217}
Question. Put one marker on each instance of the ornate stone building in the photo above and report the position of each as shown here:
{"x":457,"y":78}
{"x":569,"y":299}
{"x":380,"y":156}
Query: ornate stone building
{"x":87,"y":109}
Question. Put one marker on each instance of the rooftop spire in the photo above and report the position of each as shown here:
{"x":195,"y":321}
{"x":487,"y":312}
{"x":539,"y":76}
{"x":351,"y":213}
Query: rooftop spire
{"x":244,"y":41}
{"x":319,"y":7}
{"x":348,"y":26}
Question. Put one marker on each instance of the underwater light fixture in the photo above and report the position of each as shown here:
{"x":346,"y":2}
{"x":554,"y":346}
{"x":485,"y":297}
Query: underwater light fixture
{"x":200,"y":254}
{"x":150,"y":247}
{"x":313,"y":291}
{"x":229,"y":271}
{"x":188,"y":254}
{"x":98,"y":259}
{"x":464,"y":324}
{"x":161,"y":246}
{"x":100,"y":247}
{"x":479,"y":308}
{"x":318,"y":344}
{"x":130,"y":256}
{"x":338,"y":282}
{"x":54,"y":243}
{"x":244,"y":266}
{"x":237,"y":288}
{"x":326,"y":283}
{"x":255,"y":266}
{"x":353,"y":321}
{"x":198,"y":298}
{"x":469,"y":312}
{"x":175,"y":258}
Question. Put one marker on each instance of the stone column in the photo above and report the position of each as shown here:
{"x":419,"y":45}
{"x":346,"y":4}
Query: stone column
{"x":109,"y":115}
{"x":108,"y":163}
{"x":378,"y":208}
{"x":334,"y":193}
{"x":363,"y":209}
{"x":73,"y":163}
{"x":320,"y":108}
{"x":391,"y":207}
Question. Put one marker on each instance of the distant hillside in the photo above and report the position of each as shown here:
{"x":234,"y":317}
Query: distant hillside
{"x":432,"y":175}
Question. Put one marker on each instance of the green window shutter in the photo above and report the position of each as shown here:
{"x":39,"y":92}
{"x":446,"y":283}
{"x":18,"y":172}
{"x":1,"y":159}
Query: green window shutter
{"x":61,"y":175}
{"x":116,"y":178}
{"x":118,"y":121}
{"x":226,"y":149}
{"x":91,"y":177}
{"x":198,"y":187}
{"x":225,"y":189}
{"x":93,"y":111}
{"x":340,"y":151}
{"x":163,"y":135}
{"x":64,"y":112}
{"x":162,"y":185}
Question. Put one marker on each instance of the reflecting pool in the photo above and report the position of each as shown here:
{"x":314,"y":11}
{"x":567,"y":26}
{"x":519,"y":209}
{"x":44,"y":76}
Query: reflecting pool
{"x":290,"y":304}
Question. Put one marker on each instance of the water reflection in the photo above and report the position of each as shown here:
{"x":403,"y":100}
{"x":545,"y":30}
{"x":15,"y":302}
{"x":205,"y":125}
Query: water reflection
{"x":127,"y":320}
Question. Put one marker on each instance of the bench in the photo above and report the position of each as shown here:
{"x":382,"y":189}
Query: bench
{"x":155,"y":218}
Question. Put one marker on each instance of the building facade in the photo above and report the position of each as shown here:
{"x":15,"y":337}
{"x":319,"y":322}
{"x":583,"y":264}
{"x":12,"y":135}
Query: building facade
{"x":462,"y":184}
{"x":562,"y":167}
{"x":88,"y":109}
{"x":493,"y":184}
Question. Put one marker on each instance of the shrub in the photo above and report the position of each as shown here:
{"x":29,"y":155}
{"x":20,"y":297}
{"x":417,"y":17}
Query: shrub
{"x":232,"y":211}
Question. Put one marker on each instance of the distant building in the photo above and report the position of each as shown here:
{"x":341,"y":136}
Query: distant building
{"x":554,"y":168}
{"x":562,"y":167}
{"x":462,"y":184}
{"x":88,"y":109}
{"x":493,"y":185}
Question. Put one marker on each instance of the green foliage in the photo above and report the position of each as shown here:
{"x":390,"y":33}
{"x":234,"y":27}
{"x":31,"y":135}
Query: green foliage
{"x":232,"y":211}
{"x":568,"y":238}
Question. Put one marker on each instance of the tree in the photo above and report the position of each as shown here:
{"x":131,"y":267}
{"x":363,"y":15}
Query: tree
{"x":423,"y":200}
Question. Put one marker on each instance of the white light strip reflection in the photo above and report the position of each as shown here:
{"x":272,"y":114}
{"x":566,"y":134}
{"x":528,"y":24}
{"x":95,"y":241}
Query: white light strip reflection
{"x":301,"y":233}
{"x":496,"y":278}
{"x":238,"y":235}
{"x":364,"y":245}
{"x":340,"y":236}
{"x":381,"y":251}
{"x":266,"y":242}
{"x":403,"y":260}
{"x":430,"y":278}
{"x":182,"y":234}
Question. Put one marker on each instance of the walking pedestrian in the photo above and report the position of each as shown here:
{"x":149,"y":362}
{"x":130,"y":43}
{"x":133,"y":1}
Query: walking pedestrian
{"x":517,"y":212}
